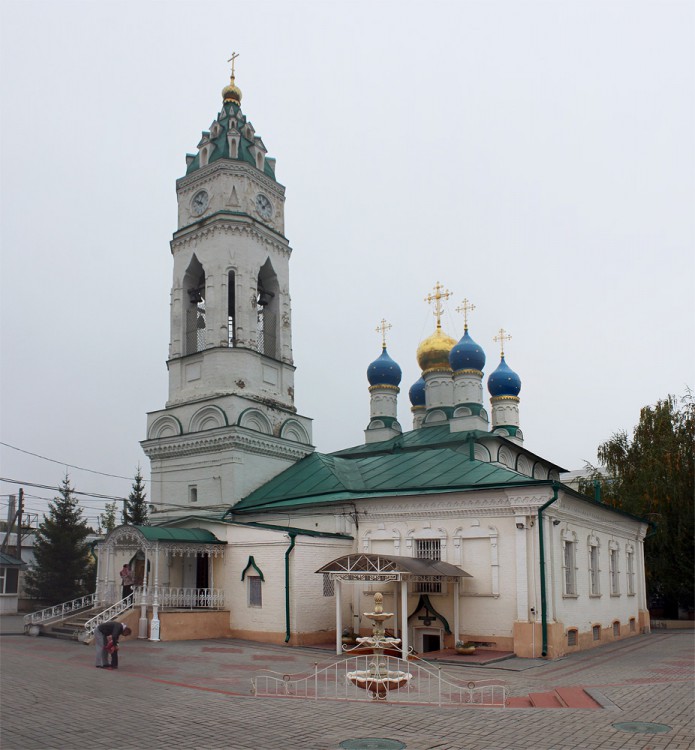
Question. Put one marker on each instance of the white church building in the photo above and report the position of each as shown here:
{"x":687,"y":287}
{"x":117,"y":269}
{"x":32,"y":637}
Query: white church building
{"x":468,"y":534}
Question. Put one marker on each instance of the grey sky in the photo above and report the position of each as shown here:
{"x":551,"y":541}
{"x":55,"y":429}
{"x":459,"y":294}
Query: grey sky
{"x":535,"y":157}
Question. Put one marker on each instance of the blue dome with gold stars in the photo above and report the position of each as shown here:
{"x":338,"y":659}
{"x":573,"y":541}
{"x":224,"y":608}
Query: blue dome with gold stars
{"x":467,"y":355}
{"x":384,"y":371}
{"x":417,"y":392}
{"x":504,"y":381}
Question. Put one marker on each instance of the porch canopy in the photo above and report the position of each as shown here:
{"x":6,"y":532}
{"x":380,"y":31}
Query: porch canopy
{"x":151,"y":542}
{"x":374,"y":568}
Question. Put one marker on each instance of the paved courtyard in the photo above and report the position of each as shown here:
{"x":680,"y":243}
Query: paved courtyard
{"x":196,"y":694}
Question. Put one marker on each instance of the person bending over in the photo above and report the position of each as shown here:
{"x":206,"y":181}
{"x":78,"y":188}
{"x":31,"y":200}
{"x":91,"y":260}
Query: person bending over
{"x":106,"y":641}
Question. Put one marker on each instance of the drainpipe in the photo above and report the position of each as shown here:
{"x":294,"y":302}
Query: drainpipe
{"x":541,"y":551}
{"x":288,"y":551}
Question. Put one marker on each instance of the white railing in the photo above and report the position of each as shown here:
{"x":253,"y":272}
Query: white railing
{"x":59,"y":611}
{"x":425,"y":686}
{"x":108,"y":614}
{"x":173,"y":597}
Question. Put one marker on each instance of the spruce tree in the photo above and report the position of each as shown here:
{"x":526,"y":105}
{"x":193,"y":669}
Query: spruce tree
{"x":136,"y":511}
{"x":63,"y":569}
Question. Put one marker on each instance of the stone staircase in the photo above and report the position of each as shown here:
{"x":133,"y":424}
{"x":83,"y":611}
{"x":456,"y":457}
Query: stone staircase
{"x":561,"y":697}
{"x":72,"y":627}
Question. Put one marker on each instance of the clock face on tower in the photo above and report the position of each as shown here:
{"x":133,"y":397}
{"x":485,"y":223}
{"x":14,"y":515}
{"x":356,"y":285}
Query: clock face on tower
{"x":264,"y":206}
{"x":200,"y":202}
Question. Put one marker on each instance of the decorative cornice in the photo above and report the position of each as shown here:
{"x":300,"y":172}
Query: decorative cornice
{"x":497,"y":399}
{"x":432,"y":370}
{"x":241,"y":225}
{"x":234,"y":438}
{"x":477,"y":373}
{"x":373,"y":388}
{"x":229,"y":166}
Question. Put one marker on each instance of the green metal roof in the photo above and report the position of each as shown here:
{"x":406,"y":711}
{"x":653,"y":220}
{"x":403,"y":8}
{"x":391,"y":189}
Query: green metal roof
{"x":9,"y":561}
{"x":169,"y":534}
{"x":221,"y":144}
{"x":321,"y":478}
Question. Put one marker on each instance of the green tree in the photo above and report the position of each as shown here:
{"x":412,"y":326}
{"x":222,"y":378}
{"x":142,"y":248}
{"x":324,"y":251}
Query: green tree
{"x":652,"y":475}
{"x":107,"y":520}
{"x":64,"y":569}
{"x":136,"y":511}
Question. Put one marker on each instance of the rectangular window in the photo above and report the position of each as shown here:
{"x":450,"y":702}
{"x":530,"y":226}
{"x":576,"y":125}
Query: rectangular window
{"x":633,"y":625}
{"x":596,"y":630}
{"x":328,"y":585}
{"x":569,"y":568}
{"x":595,"y":589}
{"x":630,"y":572}
{"x":192,"y":494}
{"x":614,"y":572}
{"x":255,"y":591}
{"x":428,"y":549}
{"x":616,"y":629}
{"x":572,"y":637}
{"x":2,"y":580}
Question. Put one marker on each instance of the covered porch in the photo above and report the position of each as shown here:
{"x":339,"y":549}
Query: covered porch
{"x":173,"y":569}
{"x":424,"y":576}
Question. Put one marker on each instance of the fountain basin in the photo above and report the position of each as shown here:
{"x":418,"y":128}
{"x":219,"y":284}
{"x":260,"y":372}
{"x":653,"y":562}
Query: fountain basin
{"x":379,"y":685}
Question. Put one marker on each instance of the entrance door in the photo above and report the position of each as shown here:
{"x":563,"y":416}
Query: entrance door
{"x":202,"y":575}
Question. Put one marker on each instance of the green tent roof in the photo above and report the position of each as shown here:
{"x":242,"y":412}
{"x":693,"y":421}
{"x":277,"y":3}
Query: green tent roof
{"x":168,"y":534}
{"x":321,"y":478}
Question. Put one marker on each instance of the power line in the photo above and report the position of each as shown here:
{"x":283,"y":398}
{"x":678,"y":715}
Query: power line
{"x":58,"y":489}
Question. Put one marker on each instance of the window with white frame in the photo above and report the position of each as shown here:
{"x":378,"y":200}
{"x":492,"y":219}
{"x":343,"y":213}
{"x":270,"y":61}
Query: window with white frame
{"x":614,"y":566}
{"x":428,"y":549}
{"x":9,"y":578}
{"x":594,"y":570}
{"x":630,"y":559}
{"x":255,"y":591}
{"x":569,"y":567}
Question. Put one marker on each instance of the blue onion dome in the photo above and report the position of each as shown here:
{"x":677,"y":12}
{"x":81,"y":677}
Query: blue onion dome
{"x":417,"y":393}
{"x":504,"y":381}
{"x":433,"y":352}
{"x":467,"y":355}
{"x":384,"y":371}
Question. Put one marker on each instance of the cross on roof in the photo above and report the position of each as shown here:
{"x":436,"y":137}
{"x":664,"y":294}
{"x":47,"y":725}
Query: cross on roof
{"x":502,"y":336}
{"x":382,"y":328}
{"x":439,"y":294}
{"x":465,"y":307}
{"x":232,"y":59}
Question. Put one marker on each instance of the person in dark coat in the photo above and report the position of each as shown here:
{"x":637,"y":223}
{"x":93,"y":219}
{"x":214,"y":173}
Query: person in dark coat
{"x":108,"y":633}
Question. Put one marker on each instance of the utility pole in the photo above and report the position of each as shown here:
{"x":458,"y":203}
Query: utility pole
{"x":10,"y":522}
{"x":20,"y":513}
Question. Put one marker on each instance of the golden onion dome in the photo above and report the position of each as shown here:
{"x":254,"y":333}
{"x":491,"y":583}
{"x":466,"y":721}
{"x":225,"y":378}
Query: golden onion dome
{"x":231,"y":93}
{"x":433,"y":352}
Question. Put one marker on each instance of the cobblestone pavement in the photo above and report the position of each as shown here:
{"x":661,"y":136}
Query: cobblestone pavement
{"x":196,"y":694}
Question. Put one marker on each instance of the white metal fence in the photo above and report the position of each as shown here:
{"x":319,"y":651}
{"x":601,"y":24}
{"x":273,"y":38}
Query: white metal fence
{"x":60,"y":611}
{"x":427,"y":686}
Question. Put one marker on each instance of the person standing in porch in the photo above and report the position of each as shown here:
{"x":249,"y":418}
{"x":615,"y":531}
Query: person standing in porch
{"x":126,"y":580}
{"x":106,"y":638}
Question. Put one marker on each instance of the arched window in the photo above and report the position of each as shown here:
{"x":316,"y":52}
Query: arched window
{"x":194,"y":305}
{"x":267,"y":309}
{"x":231,"y":308}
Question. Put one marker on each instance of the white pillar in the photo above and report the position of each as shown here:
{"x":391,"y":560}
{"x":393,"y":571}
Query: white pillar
{"x":522,"y":574}
{"x":457,"y":623}
{"x":338,"y":618}
{"x":404,"y":619}
{"x":154,"y":625}
{"x":142,"y":623}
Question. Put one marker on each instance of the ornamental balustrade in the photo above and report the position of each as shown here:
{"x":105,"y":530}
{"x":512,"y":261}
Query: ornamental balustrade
{"x":60,"y":611}
{"x":177,"y":597}
{"x":108,"y":614}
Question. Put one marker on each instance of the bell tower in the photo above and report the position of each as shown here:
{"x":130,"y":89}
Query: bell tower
{"x":229,"y":423}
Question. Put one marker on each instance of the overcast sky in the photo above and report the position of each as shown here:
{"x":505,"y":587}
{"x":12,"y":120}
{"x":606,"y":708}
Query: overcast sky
{"x":537,"y":158}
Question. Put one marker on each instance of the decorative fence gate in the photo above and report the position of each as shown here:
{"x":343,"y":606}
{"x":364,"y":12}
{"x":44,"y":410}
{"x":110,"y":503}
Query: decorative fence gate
{"x":427,"y":686}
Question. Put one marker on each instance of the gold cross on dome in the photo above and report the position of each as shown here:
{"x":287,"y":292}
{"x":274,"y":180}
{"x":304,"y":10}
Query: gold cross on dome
{"x":439,"y":294}
{"x":502,"y":336}
{"x":232,"y":59}
{"x":465,"y":307}
{"x":382,"y":328}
